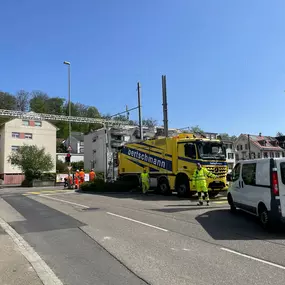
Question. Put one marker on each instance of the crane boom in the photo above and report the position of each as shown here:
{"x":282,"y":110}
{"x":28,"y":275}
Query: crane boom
{"x":50,"y":117}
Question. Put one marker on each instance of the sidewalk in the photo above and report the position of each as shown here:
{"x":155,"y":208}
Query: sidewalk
{"x":14,"y":268}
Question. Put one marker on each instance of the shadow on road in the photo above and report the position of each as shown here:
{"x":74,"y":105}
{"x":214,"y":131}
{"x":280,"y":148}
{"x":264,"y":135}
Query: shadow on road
{"x":150,"y":197}
{"x":221,"y":224}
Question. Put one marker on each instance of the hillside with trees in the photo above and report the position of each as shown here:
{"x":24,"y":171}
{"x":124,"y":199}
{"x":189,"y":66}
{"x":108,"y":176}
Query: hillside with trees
{"x":40,"y":102}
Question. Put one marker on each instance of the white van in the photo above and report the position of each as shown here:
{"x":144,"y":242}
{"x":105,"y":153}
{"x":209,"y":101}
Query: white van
{"x":258,"y":187}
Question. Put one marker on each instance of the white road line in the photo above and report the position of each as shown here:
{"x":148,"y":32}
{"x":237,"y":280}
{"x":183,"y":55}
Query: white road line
{"x":44,"y":272}
{"x":145,"y":224}
{"x":254,"y":258}
{"x":64,"y":201}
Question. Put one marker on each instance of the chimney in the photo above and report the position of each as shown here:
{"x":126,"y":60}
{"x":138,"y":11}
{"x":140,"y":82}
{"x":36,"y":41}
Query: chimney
{"x":260,"y":134}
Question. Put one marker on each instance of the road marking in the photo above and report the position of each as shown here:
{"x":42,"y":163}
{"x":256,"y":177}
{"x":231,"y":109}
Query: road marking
{"x":145,"y":224}
{"x":44,"y":272}
{"x":221,"y":202}
{"x":253,"y":258}
{"x":64,"y":201}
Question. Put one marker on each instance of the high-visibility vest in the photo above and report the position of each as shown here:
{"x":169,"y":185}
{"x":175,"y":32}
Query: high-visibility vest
{"x":144,"y":177}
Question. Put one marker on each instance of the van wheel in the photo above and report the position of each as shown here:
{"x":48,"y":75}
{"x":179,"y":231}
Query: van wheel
{"x":163,"y":186}
{"x":263,"y":217}
{"x":231,"y":203}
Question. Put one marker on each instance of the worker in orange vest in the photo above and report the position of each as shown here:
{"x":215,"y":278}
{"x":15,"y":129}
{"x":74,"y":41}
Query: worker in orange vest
{"x":81,"y":176}
{"x":92,"y":175}
{"x":76,"y":179}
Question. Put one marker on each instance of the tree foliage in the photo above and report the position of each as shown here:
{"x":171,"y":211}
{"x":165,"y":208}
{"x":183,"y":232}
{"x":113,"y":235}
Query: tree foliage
{"x":196,"y":129}
{"x":40,"y":102}
{"x":227,"y":137}
{"x":22,"y":100}
{"x":279,"y":134}
{"x":7,"y":101}
{"x":32,"y":161}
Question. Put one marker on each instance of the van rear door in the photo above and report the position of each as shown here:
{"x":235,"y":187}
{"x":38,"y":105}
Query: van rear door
{"x":281,"y":181}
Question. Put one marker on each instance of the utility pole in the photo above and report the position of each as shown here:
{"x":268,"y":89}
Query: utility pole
{"x":249,"y":152}
{"x":164,"y":104}
{"x":69,"y":123}
{"x":140,"y":110}
{"x":127,"y":112}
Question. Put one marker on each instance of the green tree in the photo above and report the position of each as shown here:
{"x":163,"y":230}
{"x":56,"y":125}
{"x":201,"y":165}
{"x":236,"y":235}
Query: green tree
{"x":196,"y":129}
{"x":7,"y":101}
{"x":38,"y":102}
{"x":32,"y":160}
{"x":77,"y":165}
{"x":279,"y":134}
{"x":22,"y":100}
{"x":60,"y":147}
{"x":61,"y":167}
{"x":150,"y":122}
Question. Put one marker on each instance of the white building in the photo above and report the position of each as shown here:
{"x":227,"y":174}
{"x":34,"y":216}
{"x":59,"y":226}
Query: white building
{"x":75,"y":157}
{"x":230,"y":153}
{"x":17,"y":132}
{"x":257,"y":146}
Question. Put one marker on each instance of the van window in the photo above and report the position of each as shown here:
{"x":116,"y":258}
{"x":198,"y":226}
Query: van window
{"x":236,"y":172}
{"x":248,"y":173}
{"x":282,"y":168}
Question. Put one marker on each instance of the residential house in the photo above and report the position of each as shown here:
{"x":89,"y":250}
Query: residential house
{"x":17,"y":132}
{"x":230,"y":153}
{"x":257,"y":146}
{"x":76,"y":143}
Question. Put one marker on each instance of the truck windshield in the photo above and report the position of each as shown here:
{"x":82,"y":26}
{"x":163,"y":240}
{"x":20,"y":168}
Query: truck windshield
{"x":211,"y":150}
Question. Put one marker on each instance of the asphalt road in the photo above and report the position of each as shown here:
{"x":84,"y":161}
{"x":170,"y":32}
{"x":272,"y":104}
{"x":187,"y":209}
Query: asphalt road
{"x":133,"y":239}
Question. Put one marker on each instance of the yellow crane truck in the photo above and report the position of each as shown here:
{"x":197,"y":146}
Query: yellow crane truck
{"x":171,"y":163}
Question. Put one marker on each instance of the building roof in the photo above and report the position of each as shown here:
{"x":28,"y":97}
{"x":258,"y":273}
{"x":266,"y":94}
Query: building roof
{"x":78,"y":136}
{"x":270,"y":143}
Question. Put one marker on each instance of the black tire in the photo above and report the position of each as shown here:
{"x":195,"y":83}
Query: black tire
{"x":163,"y":186}
{"x":263,"y":217}
{"x":182,"y":188}
{"x":213,"y":194}
{"x":231,"y":203}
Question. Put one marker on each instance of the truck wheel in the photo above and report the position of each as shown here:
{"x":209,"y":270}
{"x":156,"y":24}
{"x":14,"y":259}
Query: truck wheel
{"x":213,"y":194}
{"x":183,"y":189}
{"x":163,"y":186}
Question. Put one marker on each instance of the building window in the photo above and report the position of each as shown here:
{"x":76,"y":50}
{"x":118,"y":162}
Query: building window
{"x":271,"y":154}
{"x":237,"y":157}
{"x":265,"y":155}
{"x":277,"y":154}
{"x":259,"y":155}
{"x":15,"y":135}
{"x":28,"y":136}
{"x":253,"y":155}
{"x":81,"y":150}
{"x":237,"y":147}
{"x":14,"y":147}
{"x":38,"y":123}
{"x":230,"y":156}
{"x":25,"y":122}
{"x":82,"y":143}
{"x":245,"y":146}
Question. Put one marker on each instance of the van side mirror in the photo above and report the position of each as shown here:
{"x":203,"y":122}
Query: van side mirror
{"x":229,"y":177}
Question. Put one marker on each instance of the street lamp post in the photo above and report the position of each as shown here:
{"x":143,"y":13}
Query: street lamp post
{"x":69,"y":114}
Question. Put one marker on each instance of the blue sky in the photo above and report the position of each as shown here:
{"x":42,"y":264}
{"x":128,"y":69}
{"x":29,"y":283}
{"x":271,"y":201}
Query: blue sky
{"x":224,"y":60}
